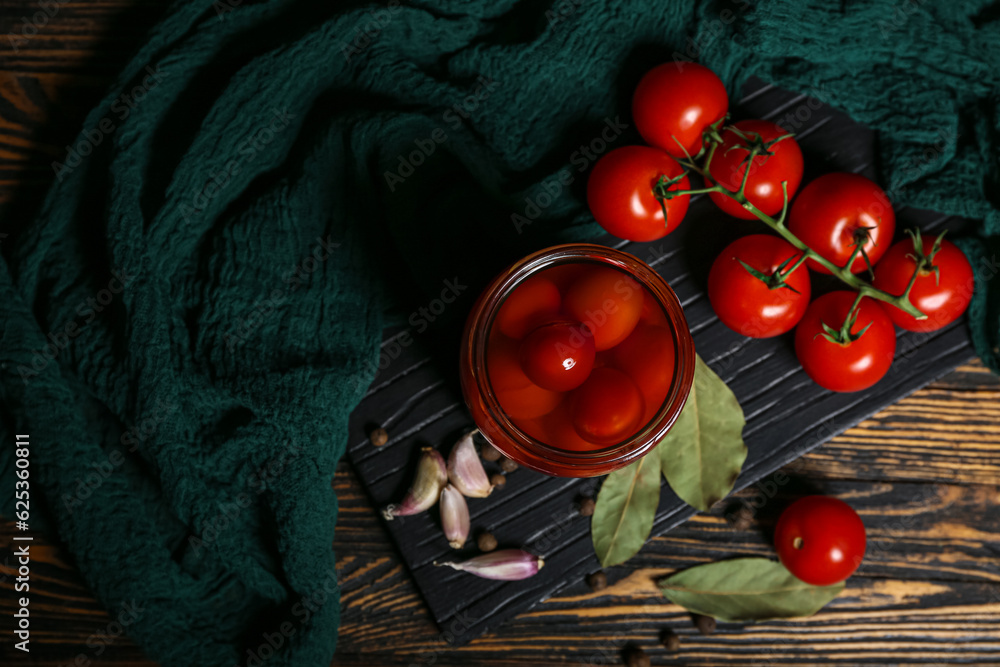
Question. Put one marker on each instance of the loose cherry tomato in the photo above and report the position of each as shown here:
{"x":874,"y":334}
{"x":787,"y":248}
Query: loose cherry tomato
{"x":764,"y":182}
{"x":606,"y":301}
{"x":845,"y":367}
{"x":607,"y":408}
{"x":533,"y":302}
{"x":647,"y":356}
{"x":675,"y":103}
{"x":942,"y":290}
{"x":519,"y":397}
{"x":744,"y":302}
{"x":835,"y":212}
{"x":558,"y":356}
{"x":621,"y":193}
{"x":820,"y":539}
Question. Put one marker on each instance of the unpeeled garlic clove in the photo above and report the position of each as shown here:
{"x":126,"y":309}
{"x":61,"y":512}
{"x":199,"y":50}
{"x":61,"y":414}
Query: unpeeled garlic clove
{"x":431,"y":477}
{"x":466,"y":471}
{"x":454,"y":516}
{"x":504,"y":565}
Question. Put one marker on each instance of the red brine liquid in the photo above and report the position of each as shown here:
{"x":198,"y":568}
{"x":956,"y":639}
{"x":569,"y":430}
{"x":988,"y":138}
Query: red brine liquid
{"x":580,"y":356}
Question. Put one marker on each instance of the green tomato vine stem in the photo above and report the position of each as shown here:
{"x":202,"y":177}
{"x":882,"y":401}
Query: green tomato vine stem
{"x":863,"y":287}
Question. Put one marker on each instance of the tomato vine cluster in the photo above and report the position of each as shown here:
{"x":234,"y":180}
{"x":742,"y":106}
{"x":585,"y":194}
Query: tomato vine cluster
{"x":760,"y":286}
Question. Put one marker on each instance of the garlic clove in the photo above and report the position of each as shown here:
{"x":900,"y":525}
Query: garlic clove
{"x":466,"y":471}
{"x":431,"y":477}
{"x":454,"y":516}
{"x":504,"y":565}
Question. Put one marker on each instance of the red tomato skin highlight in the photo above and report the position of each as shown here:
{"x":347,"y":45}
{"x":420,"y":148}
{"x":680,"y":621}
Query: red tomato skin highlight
{"x":531,"y":304}
{"x":831,"y":208}
{"x":943,"y":301}
{"x":743,"y":302}
{"x":620,"y":193}
{"x":764,"y":183}
{"x":607,"y":408}
{"x":820,"y":539}
{"x":845,"y":368}
{"x":558,"y":356}
{"x":678,"y":100}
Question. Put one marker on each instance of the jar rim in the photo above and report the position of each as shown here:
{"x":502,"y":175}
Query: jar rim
{"x":500,"y":430}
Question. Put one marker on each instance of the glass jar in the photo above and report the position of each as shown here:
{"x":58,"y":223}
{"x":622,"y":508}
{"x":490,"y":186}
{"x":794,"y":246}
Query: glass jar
{"x":502,"y":431}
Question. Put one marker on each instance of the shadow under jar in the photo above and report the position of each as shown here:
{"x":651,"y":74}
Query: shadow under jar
{"x":576,"y":360}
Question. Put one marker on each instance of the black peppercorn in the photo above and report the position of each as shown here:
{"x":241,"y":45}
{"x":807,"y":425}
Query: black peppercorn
{"x":741,"y":518}
{"x":486,"y":541}
{"x":597,"y":581}
{"x":378,"y":437}
{"x":670,"y":640}
{"x":705,"y":624}
{"x":490,"y":453}
{"x":636,"y":657}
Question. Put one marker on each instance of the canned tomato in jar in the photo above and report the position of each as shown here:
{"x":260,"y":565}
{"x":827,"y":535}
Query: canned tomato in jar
{"x":576,"y":360}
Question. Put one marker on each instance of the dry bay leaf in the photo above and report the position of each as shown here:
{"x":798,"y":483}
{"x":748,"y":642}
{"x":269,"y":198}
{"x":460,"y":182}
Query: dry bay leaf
{"x":625,"y":509}
{"x":746,"y":589}
{"x":703,"y":453}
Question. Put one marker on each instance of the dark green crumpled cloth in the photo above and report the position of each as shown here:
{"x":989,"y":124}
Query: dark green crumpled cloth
{"x":198,"y":307}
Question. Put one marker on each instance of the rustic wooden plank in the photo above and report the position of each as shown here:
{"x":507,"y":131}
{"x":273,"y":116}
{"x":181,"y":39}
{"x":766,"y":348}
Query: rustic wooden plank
{"x":935,"y":434}
{"x":51,"y":75}
{"x":890,"y":597}
{"x":931,"y":580}
{"x":416,"y":397}
{"x":972,"y":377}
{"x":63,"y":71}
{"x":901,"y":558}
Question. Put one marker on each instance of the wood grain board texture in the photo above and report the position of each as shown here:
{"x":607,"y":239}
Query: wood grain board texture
{"x":923,"y":472}
{"x":416,"y":397}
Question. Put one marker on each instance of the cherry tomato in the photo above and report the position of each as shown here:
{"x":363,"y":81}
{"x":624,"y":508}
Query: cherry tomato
{"x":531,"y":303}
{"x":678,"y":100}
{"x":519,"y":397}
{"x":607,"y":408}
{"x":837,"y":210}
{"x":621,"y":196}
{"x":534,"y":428}
{"x":608,"y":302}
{"x":564,"y":275}
{"x":602,"y":359}
{"x":942,"y":296}
{"x":652,"y":313}
{"x":745,"y":303}
{"x":764,"y":182}
{"x":647,"y":356}
{"x":820,"y":539}
{"x":856,"y":365}
{"x":556,"y":430}
{"x":558,"y":356}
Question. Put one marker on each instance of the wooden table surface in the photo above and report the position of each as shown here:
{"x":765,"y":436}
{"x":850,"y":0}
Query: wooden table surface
{"x":924,"y":475}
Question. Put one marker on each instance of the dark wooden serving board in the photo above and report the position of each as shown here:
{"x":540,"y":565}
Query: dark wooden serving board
{"x":416,"y":397}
